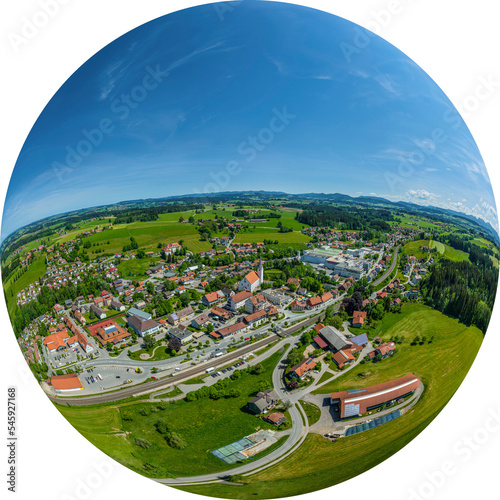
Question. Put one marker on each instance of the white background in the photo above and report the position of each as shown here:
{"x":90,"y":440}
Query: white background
{"x":456,"y":42}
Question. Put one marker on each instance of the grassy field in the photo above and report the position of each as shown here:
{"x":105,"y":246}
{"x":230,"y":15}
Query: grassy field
{"x":450,"y":253}
{"x":444,"y":251}
{"x":441,"y":365}
{"x":312,"y":411}
{"x":167,"y":229}
{"x":325,"y":377}
{"x":413,"y":248}
{"x":204,"y":425}
{"x":136,"y":268}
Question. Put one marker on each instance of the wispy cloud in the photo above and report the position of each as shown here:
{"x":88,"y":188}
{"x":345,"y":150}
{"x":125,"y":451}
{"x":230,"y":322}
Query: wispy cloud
{"x":388,"y":83}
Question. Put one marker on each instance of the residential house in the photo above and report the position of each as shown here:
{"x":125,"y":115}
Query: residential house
{"x":300,"y":369}
{"x":181,"y":315}
{"x":183,"y":335}
{"x":263,"y":402}
{"x":237,"y":301}
{"x":358,"y":319}
{"x":212,"y":298}
{"x":200,"y":321}
{"x":98,"y":312}
{"x":276,"y":418}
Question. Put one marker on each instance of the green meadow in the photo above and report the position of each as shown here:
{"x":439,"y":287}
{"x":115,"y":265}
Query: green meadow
{"x":204,"y":425}
{"x":441,"y":365}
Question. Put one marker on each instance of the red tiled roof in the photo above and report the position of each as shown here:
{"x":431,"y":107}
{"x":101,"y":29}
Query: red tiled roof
{"x":321,"y":343}
{"x":377,"y":394}
{"x":252,"y":277}
{"x":66,"y":382}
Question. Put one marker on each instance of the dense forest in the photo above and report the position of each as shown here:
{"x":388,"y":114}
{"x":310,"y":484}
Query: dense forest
{"x":463,"y":290}
{"x":141,"y":214}
{"x":351,"y":218}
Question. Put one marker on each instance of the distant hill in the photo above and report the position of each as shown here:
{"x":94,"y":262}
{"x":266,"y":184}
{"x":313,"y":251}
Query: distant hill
{"x":257,"y":195}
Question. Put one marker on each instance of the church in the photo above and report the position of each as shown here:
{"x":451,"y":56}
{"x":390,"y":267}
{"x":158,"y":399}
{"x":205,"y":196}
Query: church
{"x":252,"y":280}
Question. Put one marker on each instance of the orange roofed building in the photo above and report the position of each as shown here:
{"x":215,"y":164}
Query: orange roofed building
{"x":56,"y":341}
{"x":358,"y":401}
{"x":66,"y":383}
{"x":112,"y":333}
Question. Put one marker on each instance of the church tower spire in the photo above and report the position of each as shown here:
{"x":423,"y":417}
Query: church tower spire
{"x":261,"y":272}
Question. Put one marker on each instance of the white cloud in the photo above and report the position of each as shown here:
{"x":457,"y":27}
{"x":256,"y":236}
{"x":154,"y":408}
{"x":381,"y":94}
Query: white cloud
{"x":421,"y":194}
{"x":386,"y":82}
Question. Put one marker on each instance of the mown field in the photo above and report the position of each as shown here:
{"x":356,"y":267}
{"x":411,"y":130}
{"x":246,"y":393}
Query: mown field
{"x":450,"y":253}
{"x":204,"y":425}
{"x":148,"y":235}
{"x":441,"y":365}
{"x":444,"y":251}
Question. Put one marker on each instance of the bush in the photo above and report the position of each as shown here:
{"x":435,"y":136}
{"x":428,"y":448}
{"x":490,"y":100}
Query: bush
{"x":175,"y":441}
{"x":257,"y":369}
{"x":263,"y":386}
{"x":143,"y":443}
{"x":162,"y":427}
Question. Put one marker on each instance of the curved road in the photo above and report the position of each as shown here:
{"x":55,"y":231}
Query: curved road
{"x":297,"y":436}
{"x":389,"y":271}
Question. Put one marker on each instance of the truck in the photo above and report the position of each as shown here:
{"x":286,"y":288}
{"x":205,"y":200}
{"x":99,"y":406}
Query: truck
{"x":210,"y":370}
{"x":218,"y":354}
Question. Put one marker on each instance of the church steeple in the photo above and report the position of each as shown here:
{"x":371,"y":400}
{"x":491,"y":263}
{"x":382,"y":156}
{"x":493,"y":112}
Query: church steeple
{"x":261,"y":271}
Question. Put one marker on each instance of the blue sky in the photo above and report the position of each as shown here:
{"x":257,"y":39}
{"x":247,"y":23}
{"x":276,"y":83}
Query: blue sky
{"x":265,"y":96}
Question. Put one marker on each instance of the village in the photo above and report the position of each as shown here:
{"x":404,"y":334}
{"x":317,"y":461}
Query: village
{"x":176,"y":325}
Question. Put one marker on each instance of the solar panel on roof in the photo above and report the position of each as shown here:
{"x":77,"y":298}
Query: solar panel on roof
{"x":373,"y":423}
{"x":356,"y":391}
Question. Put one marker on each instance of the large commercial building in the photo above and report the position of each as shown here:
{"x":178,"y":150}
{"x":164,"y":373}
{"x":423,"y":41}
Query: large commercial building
{"x":358,"y":401}
{"x":343,"y":265}
{"x":347,"y":266}
{"x":319,"y":255}
{"x":66,"y":383}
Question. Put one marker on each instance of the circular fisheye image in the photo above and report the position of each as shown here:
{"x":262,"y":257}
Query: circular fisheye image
{"x":244,"y":235}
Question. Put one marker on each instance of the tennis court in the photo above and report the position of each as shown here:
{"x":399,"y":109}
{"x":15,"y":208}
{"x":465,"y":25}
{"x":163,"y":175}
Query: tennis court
{"x":245,"y":447}
{"x":231,"y":453}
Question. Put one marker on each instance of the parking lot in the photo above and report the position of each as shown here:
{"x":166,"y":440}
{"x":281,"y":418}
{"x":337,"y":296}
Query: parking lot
{"x":59,"y":359}
{"x":225,"y":372}
{"x":102,"y":378}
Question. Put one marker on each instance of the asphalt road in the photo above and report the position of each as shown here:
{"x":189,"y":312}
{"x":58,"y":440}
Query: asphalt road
{"x":389,"y":271}
{"x":297,"y":435}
